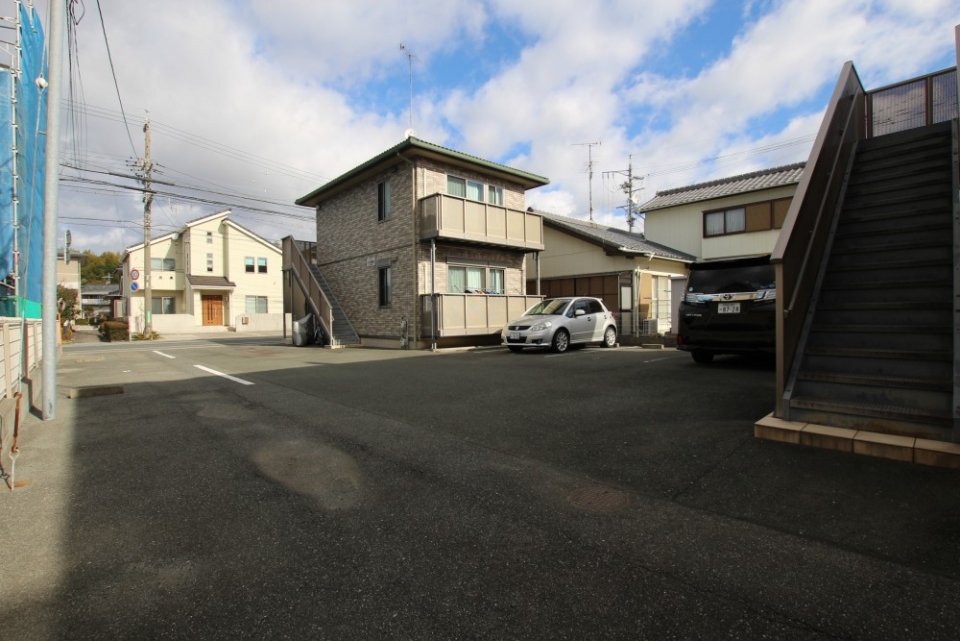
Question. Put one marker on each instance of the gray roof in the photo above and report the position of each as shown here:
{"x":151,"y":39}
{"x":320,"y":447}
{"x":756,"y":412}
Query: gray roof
{"x":744,"y":183}
{"x":105,"y":290}
{"x":613,"y":239}
{"x":201,"y":282}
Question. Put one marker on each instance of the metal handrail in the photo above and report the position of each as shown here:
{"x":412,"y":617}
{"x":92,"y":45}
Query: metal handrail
{"x":297,"y":265}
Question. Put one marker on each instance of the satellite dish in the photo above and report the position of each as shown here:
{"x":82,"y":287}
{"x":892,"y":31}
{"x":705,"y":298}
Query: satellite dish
{"x":409,"y":133}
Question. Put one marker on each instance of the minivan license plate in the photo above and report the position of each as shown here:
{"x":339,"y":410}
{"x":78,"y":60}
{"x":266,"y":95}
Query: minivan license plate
{"x":728,"y":308}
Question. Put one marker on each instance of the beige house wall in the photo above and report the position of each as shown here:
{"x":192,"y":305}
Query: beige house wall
{"x":681,"y":227}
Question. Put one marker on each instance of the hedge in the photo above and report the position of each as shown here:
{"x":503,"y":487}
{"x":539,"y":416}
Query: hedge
{"x":115,"y":330}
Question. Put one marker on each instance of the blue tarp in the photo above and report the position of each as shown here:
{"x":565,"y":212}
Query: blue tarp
{"x":31,"y":118}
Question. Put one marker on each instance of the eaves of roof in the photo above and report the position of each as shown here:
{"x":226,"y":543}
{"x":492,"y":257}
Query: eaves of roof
{"x":412,"y":147}
{"x":613,"y":240}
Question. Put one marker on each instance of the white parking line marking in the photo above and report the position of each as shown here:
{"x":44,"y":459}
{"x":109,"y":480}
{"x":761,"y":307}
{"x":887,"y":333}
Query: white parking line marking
{"x":227,"y":376}
{"x":162,"y":354}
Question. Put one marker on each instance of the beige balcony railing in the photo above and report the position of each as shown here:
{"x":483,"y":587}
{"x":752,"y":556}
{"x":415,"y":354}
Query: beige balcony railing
{"x":453,"y":218}
{"x":473,"y":314}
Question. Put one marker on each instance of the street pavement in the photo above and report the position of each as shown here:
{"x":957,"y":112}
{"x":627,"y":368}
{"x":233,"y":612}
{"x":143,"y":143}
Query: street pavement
{"x":240,"y":488}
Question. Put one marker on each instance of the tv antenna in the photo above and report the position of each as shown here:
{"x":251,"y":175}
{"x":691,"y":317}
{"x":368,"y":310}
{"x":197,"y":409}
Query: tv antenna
{"x":589,"y":146}
{"x":410,"y":59}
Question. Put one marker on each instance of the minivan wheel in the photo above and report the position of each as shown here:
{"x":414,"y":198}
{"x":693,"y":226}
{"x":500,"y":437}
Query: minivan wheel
{"x":561,"y":341}
{"x":515,"y":349}
{"x":702,"y":356}
{"x":609,"y":337}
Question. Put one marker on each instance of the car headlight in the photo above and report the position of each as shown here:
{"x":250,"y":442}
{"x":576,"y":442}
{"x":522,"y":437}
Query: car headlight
{"x":539,"y":327}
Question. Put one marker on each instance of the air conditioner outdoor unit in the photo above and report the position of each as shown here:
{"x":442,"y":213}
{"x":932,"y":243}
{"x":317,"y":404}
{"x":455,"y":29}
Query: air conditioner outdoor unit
{"x":649,"y":327}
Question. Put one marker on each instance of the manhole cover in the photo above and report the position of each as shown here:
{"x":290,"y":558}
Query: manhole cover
{"x":599,"y":500}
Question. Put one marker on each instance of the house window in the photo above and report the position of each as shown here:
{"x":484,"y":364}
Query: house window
{"x":383,"y":201}
{"x":209,"y":262}
{"x":261,"y":265}
{"x":385,"y":286}
{"x":462,"y":279}
{"x":456,"y":187}
{"x":256,"y":305}
{"x":248,"y":266}
{"x":163,"y":305}
{"x":469,"y":189}
{"x":761,"y":216}
{"x":728,"y":221}
{"x":497,"y":281}
{"x":162,"y":264}
{"x":209,"y":237}
{"x":495,"y":195}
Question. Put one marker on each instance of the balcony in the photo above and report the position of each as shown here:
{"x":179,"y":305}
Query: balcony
{"x":473,"y":314}
{"x":451,"y":218}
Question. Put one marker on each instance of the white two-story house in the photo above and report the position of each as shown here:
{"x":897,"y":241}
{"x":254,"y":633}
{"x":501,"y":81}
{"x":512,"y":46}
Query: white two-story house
{"x":210,"y":275}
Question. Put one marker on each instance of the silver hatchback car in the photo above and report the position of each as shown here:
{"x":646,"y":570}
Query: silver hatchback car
{"x":559,"y":323}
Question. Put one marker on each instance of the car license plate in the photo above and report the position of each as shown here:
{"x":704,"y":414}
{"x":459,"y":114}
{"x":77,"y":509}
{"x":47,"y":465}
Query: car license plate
{"x":514,"y":336}
{"x":728,"y":308}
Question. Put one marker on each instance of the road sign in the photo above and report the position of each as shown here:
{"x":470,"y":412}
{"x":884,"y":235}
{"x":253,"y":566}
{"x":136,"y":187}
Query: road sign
{"x":134,"y":274}
{"x":134,"y":287}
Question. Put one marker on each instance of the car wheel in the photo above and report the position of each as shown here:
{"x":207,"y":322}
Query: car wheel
{"x":609,"y":337}
{"x":702,"y":356}
{"x":515,"y":349}
{"x":561,"y":341}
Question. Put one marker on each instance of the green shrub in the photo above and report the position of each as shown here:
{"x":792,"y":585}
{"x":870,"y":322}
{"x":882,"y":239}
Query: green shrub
{"x":115,"y":330}
{"x":143,"y":336}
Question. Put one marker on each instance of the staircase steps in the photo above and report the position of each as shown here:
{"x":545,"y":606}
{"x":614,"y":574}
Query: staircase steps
{"x":879,"y":350}
{"x":343,"y":332}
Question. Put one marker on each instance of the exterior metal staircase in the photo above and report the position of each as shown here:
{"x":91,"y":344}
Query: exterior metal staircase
{"x":877,"y":352}
{"x":343,"y":333}
{"x":307,"y":291}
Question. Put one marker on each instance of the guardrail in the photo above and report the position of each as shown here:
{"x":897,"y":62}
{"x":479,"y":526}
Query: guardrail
{"x":475,"y":314}
{"x":452,"y":217}
{"x":299,"y":269}
{"x":918,"y":102}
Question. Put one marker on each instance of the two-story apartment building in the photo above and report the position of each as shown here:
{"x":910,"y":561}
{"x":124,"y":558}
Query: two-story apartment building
{"x":210,"y":274}
{"x":424,"y":243}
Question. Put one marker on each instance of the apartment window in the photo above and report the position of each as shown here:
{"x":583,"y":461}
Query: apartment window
{"x":761,"y":216}
{"x":495,"y":195}
{"x":497,"y":281}
{"x":256,"y":305}
{"x":460,"y":279}
{"x":261,"y":265}
{"x":385,"y":286}
{"x":162,"y":264}
{"x":248,"y":265}
{"x":209,"y":262}
{"x":163,"y":305}
{"x":209,"y":237}
{"x":720,"y":223}
{"x":383,"y":201}
{"x":469,"y":189}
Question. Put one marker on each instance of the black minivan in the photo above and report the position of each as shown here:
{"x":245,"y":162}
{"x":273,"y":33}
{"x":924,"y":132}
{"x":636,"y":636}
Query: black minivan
{"x":729,"y":307}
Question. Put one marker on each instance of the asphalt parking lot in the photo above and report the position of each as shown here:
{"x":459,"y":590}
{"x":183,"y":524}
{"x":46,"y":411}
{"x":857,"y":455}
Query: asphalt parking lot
{"x":239,"y":488}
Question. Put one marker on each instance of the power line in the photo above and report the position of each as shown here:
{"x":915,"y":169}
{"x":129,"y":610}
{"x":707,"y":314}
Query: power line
{"x":113,"y":72}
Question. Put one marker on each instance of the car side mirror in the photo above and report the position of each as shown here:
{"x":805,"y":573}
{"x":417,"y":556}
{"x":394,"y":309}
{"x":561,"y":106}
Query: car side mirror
{"x":579,"y":312}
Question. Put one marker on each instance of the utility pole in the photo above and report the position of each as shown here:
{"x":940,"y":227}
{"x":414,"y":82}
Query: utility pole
{"x":145,"y":169}
{"x":51,"y":202}
{"x":628,"y":189}
{"x":589,"y":146}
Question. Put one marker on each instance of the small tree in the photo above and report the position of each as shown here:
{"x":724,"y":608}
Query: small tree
{"x":69,"y":297}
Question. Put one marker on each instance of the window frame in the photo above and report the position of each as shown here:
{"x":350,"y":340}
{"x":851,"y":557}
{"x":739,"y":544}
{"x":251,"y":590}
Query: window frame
{"x":210,"y":262}
{"x":772,"y":206}
{"x":209,"y":237}
{"x":466,"y":184}
{"x":495,"y":201}
{"x":249,"y":265}
{"x":261,"y":265}
{"x":155,"y":299}
{"x":486,"y":271}
{"x":256,"y":300}
{"x":383,"y":201}
{"x":163,"y":262}
{"x":385,"y":286}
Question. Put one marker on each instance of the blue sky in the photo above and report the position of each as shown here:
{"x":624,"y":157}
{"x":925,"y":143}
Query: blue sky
{"x":269,"y":100}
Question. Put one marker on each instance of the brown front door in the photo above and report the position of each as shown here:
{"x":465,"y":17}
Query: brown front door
{"x":212,"y":309}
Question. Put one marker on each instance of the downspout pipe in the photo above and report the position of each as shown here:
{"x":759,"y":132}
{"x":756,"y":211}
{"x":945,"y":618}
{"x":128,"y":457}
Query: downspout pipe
{"x":433,"y":294}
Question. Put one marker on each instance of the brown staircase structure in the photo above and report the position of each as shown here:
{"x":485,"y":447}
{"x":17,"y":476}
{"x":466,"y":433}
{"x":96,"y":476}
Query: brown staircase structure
{"x":867,"y":274}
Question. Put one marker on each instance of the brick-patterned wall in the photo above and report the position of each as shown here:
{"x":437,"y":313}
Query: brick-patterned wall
{"x":351,"y":242}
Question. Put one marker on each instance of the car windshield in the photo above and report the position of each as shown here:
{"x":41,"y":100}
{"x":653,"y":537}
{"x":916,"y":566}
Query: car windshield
{"x":549,"y":307}
{"x":732,"y":279}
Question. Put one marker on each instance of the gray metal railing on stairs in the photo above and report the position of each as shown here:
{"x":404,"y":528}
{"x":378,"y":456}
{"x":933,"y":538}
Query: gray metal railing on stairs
{"x":299,"y":269}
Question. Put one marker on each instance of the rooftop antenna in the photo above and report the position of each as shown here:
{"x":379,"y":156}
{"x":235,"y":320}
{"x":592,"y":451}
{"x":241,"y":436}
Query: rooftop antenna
{"x":410,"y":59}
{"x":589,"y":146}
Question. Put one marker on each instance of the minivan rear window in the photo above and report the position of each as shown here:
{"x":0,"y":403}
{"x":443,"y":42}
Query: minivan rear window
{"x":724,"y":280}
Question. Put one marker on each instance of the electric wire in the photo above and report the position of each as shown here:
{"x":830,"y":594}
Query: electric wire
{"x":113,"y":72}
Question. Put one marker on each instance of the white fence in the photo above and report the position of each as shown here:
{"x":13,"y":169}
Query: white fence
{"x":22,"y":350}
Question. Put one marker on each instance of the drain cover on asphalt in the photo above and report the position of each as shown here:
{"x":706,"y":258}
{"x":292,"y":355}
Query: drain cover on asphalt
{"x":599,"y":500}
